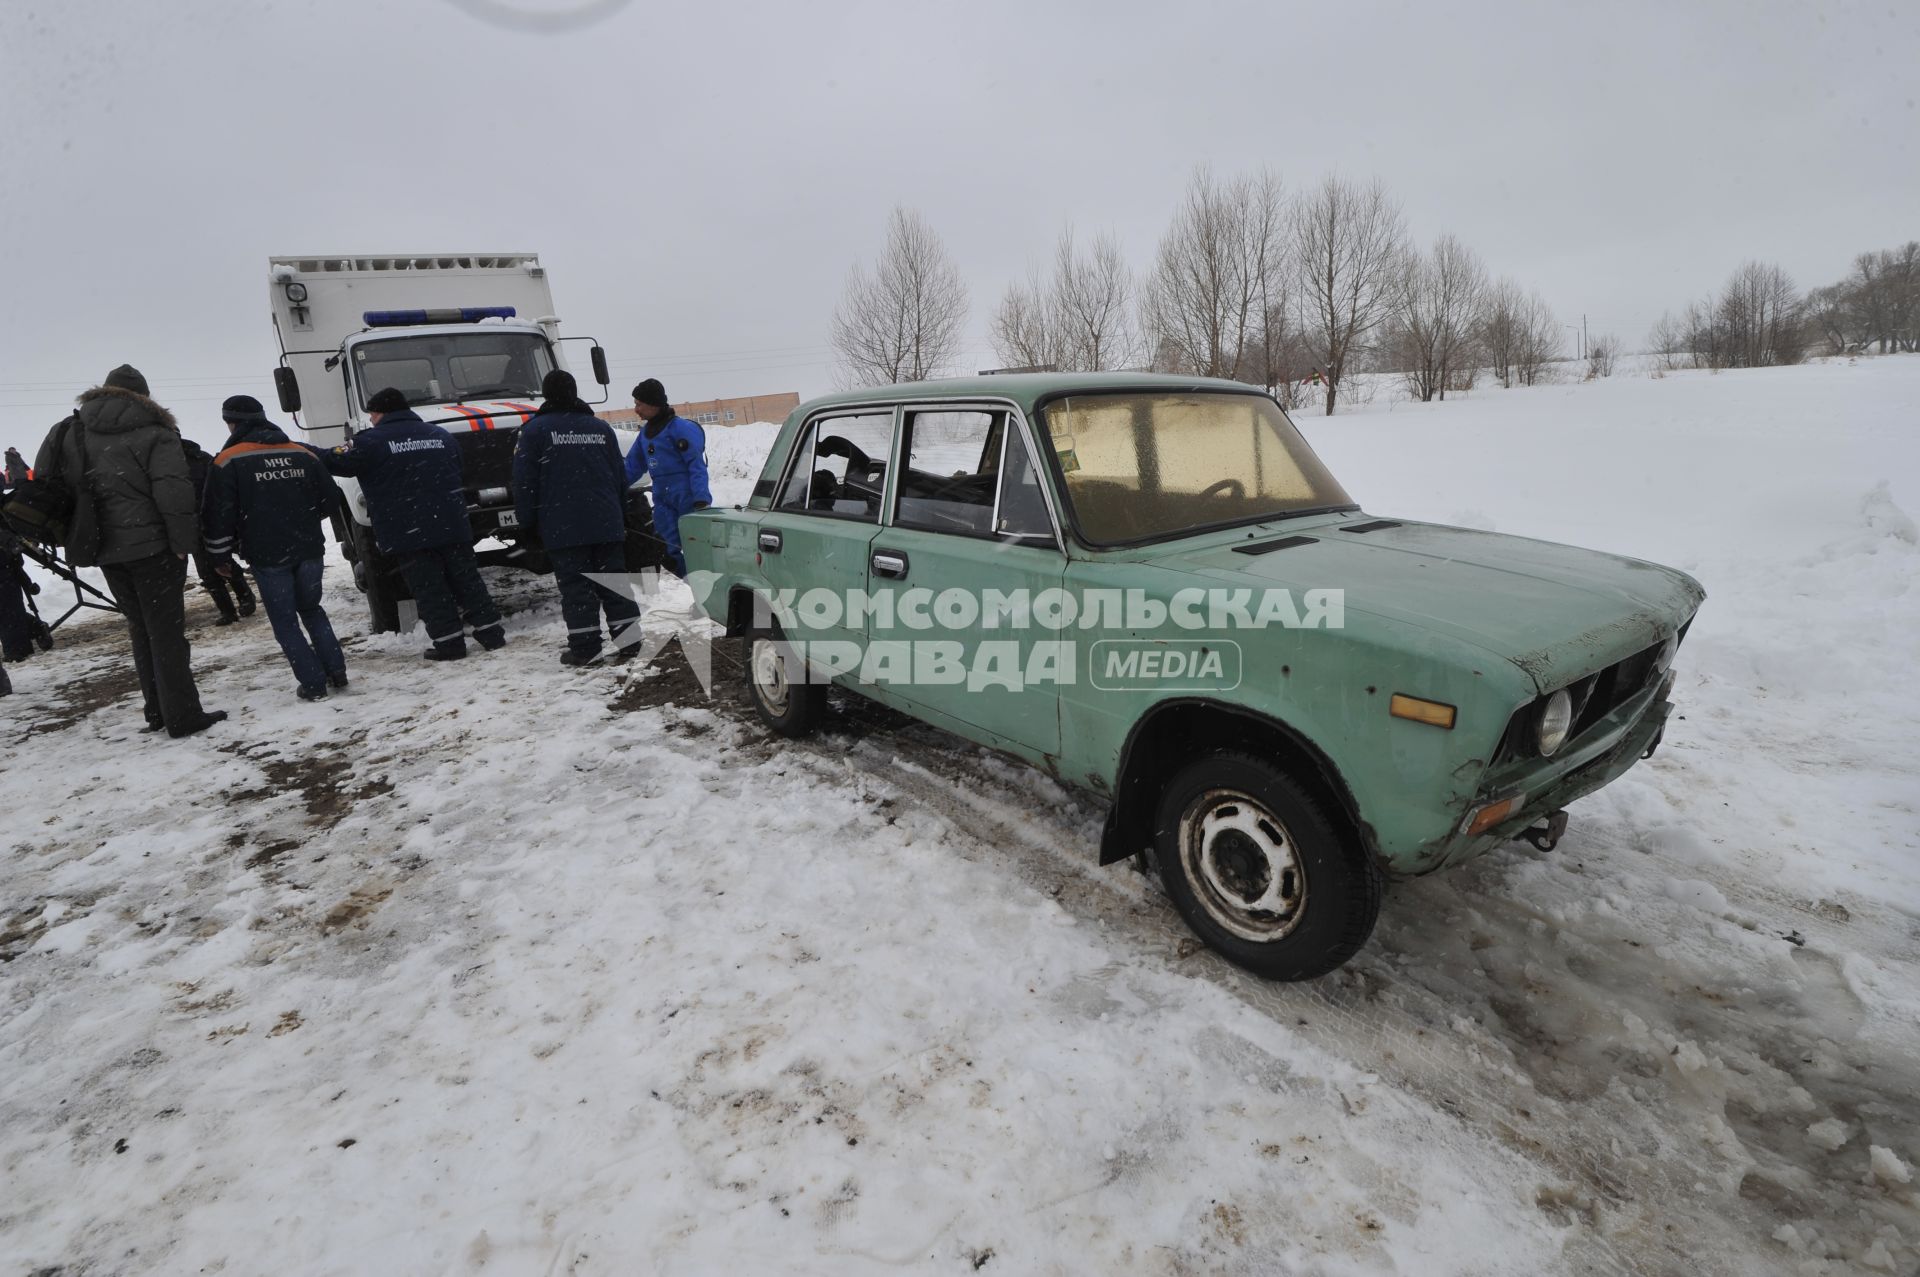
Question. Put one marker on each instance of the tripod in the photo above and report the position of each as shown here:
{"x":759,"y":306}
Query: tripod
{"x":84,"y":595}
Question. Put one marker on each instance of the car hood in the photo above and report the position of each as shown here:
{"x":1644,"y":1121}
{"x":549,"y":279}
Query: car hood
{"x":1557,"y":611}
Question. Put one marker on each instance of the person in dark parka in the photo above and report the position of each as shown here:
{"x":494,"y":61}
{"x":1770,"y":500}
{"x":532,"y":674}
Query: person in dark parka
{"x":674,"y":451}
{"x":570,"y":485}
{"x":409,"y":472}
{"x":231,"y":597}
{"x":16,"y":473}
{"x":134,"y":518}
{"x":267,"y":501}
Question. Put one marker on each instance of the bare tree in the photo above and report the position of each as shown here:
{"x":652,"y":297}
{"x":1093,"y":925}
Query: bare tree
{"x":1885,"y":294}
{"x":1219,"y":266}
{"x":1601,"y":352}
{"x":1436,"y":327}
{"x":1025,"y":330}
{"x":1348,"y":243}
{"x":1759,"y":319}
{"x":1833,"y":317}
{"x":1901,"y":267}
{"x":1668,"y":341}
{"x":902,"y":322}
{"x":1518,"y":333}
{"x":1094,"y":302}
{"x":1539,"y":344}
{"x":1078,"y":317}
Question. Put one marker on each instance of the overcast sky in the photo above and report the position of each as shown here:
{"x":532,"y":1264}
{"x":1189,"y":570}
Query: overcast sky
{"x":699,"y":177}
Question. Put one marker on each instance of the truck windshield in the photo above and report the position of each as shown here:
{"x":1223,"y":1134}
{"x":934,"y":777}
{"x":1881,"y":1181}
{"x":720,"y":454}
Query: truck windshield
{"x":1153,"y":465}
{"x":446,"y":367}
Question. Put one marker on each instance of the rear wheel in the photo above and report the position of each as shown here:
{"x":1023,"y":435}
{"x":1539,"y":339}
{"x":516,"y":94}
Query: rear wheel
{"x":777,"y":684}
{"x":1260,"y":872}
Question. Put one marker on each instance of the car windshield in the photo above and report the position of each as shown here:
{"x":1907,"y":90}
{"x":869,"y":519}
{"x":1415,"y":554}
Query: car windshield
{"x":1148,"y":466}
{"x":448,"y":367}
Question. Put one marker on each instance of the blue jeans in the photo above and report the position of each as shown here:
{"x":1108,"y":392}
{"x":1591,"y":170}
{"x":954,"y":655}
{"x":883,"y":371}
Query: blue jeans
{"x":291,"y":595}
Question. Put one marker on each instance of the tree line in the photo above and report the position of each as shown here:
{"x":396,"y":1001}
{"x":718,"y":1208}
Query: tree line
{"x":1294,"y":291}
{"x":1298,"y":291}
{"x":1759,"y":318}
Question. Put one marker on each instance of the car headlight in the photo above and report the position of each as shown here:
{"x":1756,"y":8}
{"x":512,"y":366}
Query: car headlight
{"x":1556,"y":720}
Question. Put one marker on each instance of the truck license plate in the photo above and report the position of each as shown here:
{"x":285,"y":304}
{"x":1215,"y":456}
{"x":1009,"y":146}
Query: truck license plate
{"x":509,"y":519}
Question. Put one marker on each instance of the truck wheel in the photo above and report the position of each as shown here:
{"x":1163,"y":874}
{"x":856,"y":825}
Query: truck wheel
{"x":777,"y":684}
{"x":380,"y":579}
{"x":645,"y":551}
{"x":1260,"y":873}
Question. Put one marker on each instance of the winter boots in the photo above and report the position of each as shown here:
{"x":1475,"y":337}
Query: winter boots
{"x":234,"y":605}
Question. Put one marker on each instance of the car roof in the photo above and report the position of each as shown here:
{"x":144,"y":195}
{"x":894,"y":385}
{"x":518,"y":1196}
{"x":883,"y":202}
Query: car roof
{"x":1024,"y":389}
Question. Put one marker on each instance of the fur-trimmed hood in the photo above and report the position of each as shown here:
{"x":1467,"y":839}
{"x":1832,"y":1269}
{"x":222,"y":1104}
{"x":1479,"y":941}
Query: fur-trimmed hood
{"x":110,"y":409}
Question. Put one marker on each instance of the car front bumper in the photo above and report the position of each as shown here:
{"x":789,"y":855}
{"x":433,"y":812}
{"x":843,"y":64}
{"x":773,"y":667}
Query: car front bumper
{"x":1615,"y":744}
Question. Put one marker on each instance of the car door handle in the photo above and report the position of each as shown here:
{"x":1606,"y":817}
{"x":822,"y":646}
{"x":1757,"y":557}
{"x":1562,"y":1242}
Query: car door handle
{"x":770,"y":541}
{"x":890,"y":563}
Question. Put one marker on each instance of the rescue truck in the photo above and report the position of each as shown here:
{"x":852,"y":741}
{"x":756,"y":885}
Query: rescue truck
{"x":467,"y":338}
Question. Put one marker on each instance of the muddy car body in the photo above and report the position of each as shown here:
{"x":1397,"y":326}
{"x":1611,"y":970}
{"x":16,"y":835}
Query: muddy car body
{"x":1286,"y":700}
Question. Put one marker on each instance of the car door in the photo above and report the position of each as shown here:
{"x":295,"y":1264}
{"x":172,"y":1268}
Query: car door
{"x":813,"y":542}
{"x":969,"y":546}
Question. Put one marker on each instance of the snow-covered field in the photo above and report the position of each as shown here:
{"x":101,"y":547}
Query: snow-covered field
{"x":504,"y":968}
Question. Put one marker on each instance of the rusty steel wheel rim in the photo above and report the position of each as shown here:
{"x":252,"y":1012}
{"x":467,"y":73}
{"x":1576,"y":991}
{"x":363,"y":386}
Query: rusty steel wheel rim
{"x":770,"y":682}
{"x":1241,"y":863}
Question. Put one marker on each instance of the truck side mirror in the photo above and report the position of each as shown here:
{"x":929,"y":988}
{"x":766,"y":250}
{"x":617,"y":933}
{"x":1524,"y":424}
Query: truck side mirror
{"x":600,"y":366}
{"x":288,"y":387}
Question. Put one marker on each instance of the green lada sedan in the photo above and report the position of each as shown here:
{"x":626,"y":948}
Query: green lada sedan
{"x":1152,"y":588}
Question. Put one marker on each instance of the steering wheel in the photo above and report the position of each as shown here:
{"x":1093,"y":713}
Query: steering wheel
{"x":1225,"y":488}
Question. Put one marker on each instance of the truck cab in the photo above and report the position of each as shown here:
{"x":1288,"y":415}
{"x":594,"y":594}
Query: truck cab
{"x":467,"y":338}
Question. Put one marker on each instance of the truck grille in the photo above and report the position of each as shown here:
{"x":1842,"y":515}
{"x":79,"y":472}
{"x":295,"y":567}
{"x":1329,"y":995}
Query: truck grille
{"x":486,"y":458}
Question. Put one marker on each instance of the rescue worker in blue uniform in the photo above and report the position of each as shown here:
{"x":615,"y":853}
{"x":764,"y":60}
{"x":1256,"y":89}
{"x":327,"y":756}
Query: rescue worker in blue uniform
{"x":410,"y":473}
{"x":569,"y":486}
{"x":674,"y":451}
{"x":267,"y":498}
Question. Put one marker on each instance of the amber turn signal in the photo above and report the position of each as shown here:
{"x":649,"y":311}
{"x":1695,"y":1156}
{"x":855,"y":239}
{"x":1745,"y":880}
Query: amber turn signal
{"x":1402,"y":706}
{"x":1492,"y":814}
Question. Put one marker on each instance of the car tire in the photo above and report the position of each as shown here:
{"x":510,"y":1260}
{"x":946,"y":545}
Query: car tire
{"x":1259,"y":871}
{"x":777,"y":685}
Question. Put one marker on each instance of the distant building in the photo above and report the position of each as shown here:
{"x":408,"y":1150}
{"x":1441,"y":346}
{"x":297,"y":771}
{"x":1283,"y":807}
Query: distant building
{"x":718,"y":412}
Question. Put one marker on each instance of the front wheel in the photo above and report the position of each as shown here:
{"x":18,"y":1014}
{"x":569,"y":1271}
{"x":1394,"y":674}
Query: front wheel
{"x":1260,"y":872}
{"x":778,"y":686}
{"x":379,"y":578}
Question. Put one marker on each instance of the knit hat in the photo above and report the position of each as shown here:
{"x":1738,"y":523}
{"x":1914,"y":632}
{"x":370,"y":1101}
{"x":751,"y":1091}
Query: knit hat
{"x":559,"y":385}
{"x":241,"y":408}
{"x":127,"y":377}
{"x":388,"y":400}
{"x":651,"y":393}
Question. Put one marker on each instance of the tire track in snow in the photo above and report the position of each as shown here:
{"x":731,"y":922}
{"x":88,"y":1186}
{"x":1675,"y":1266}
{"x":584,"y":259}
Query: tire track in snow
{"x":1517,"y":1031}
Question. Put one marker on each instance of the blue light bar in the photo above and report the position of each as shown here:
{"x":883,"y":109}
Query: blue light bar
{"x":451,"y":315}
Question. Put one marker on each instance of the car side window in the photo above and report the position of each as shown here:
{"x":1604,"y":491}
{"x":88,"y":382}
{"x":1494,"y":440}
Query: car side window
{"x":1023,"y":507}
{"x":840,"y":467}
{"x":953,"y":466}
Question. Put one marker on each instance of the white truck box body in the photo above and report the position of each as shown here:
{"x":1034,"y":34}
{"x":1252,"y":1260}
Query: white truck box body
{"x":339,"y":290}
